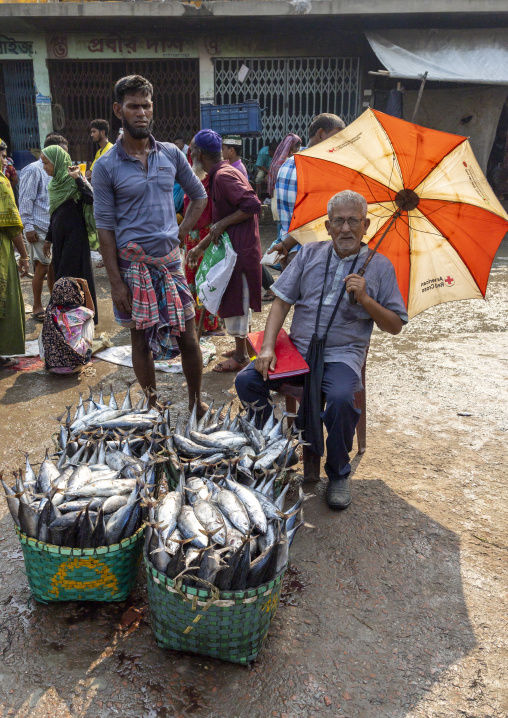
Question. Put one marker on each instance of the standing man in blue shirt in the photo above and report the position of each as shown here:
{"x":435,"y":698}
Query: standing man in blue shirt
{"x":140,"y":239}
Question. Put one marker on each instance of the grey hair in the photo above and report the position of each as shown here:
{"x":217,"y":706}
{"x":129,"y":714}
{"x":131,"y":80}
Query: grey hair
{"x":345,"y":197}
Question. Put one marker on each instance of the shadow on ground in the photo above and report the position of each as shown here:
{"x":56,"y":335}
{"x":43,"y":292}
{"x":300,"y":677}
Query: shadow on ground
{"x":371,"y":618}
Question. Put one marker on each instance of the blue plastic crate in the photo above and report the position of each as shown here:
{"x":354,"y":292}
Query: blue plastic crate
{"x":242,"y":119}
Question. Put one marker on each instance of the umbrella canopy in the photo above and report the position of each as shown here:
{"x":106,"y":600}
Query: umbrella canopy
{"x":449,"y":223}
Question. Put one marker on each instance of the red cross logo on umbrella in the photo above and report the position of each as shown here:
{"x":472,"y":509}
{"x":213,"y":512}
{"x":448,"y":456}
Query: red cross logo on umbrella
{"x":449,"y":281}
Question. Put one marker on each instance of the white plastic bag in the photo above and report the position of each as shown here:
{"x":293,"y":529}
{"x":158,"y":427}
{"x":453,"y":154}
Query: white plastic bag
{"x":214,"y":273}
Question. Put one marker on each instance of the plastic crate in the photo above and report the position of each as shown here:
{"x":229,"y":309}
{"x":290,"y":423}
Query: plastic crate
{"x":243,"y":119}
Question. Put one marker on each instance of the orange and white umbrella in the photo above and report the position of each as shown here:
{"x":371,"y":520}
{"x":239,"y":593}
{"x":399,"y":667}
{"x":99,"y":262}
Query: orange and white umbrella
{"x":446,"y":222}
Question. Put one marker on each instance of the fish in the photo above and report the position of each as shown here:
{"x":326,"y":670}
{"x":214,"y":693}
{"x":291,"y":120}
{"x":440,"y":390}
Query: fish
{"x":192,"y":528}
{"x":28,"y":520}
{"x":102,"y":488}
{"x":192,"y":423}
{"x":210,"y":565}
{"x":263,"y":568}
{"x":47,"y":473}
{"x":112,"y":504}
{"x":233,"y":508}
{"x":80,"y":477}
{"x":251,"y":503}
{"x":80,"y":504}
{"x":168,"y":511}
{"x":189,"y":448}
{"x":99,"y":532}
{"x":255,"y":437}
{"x":197,"y":489}
{"x":112,"y":401}
{"x":212,"y":519}
{"x":127,"y":403}
{"x":12,"y":503}
{"x":203,"y":422}
{"x":85,"y":531}
{"x":117,"y":523}
{"x":226,"y":440}
{"x":239,"y":578}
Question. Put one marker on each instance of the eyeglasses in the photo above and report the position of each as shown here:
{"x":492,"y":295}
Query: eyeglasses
{"x":353,"y":222}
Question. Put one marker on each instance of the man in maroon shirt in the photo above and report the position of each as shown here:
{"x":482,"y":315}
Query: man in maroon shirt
{"x":235,"y":209}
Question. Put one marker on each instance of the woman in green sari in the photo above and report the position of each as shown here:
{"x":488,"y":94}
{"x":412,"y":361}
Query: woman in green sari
{"x":70,"y":204}
{"x":12,"y":306}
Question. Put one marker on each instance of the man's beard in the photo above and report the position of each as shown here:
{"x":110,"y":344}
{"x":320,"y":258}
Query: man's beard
{"x":138,"y":133}
{"x":198,"y":169}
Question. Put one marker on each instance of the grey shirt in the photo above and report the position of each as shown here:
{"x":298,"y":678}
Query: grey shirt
{"x":349,"y":336}
{"x":137,"y":203}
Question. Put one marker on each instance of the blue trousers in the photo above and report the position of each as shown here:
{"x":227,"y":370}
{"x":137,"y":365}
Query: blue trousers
{"x":339,"y":416}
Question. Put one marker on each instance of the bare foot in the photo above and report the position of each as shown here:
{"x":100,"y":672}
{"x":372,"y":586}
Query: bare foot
{"x":201,"y":410}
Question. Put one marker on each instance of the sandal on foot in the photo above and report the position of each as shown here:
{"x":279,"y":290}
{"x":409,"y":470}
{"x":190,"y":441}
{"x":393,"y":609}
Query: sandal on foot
{"x":229,"y":355}
{"x":230,"y":365}
{"x":39,"y":317}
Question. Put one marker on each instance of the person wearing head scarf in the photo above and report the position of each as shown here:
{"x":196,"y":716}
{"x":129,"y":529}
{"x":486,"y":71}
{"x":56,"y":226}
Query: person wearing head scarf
{"x":67,"y":333}
{"x":235,"y":210}
{"x":12,"y":306}
{"x":287,"y":148}
{"x":70,"y":199}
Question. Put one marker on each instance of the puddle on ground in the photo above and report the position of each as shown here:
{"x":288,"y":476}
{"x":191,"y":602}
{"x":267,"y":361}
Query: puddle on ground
{"x":292,"y":584}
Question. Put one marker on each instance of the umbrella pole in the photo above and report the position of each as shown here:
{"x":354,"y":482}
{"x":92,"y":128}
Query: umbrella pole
{"x":361,"y":271}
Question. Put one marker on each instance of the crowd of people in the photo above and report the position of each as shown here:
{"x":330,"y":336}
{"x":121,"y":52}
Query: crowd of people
{"x":146,"y":203}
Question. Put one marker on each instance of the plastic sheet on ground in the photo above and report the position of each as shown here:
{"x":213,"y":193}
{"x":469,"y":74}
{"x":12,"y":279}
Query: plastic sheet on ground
{"x":123,"y":356}
{"x":31,"y":349}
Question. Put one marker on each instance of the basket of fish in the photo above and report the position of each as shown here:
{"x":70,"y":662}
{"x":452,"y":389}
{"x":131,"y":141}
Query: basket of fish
{"x":80,"y":519}
{"x":261,"y":454}
{"x":216,"y":552}
{"x":60,"y":573}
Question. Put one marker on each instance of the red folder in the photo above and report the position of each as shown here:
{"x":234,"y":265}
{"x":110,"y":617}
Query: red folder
{"x":289,"y":360}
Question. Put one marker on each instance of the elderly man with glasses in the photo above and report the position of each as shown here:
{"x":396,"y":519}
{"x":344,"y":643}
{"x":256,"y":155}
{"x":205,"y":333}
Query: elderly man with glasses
{"x":331,"y":332}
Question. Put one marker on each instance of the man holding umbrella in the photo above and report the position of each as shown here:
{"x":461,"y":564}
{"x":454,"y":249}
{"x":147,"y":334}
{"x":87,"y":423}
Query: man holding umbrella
{"x":331,"y":332}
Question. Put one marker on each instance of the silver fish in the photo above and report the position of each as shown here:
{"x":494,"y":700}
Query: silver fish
{"x":251,"y":503}
{"x":192,"y":528}
{"x":103,"y":488}
{"x":113,"y":503}
{"x":233,"y":508}
{"x":220,"y":440}
{"x":188,"y":448}
{"x":212,"y":519}
{"x":168,"y":511}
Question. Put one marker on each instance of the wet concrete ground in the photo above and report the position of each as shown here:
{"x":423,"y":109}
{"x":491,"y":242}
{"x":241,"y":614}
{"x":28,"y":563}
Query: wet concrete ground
{"x":395,"y":608}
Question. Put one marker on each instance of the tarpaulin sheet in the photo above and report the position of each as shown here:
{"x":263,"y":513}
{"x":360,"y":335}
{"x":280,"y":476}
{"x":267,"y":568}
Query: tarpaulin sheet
{"x":477,"y":55}
{"x":470,"y":111}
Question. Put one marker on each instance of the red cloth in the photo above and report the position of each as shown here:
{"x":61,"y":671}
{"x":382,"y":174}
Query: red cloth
{"x":206,"y":218}
{"x":210,"y":323}
{"x":231,"y":192}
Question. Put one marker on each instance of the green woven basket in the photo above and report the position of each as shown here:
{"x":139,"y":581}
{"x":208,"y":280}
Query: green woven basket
{"x":227,"y":625}
{"x":59,"y":573}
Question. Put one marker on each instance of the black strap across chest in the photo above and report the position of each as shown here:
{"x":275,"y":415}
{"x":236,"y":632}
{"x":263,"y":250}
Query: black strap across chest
{"x":341,"y":294}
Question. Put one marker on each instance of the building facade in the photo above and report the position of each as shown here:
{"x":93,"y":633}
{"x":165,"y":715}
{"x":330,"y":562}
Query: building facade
{"x":300,"y":57}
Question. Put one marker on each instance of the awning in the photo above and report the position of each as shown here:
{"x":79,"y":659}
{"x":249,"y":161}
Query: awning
{"x":476,"y":56}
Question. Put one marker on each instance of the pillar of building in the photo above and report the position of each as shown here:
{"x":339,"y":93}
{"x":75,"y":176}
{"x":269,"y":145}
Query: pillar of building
{"x":42,"y":87}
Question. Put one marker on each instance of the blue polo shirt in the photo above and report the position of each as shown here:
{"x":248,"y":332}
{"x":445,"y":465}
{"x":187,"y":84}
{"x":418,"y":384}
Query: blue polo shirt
{"x":137,"y":203}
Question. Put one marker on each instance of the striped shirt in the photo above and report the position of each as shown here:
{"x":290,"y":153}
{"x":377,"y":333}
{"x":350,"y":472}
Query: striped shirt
{"x":34,"y":197}
{"x":286,"y":188}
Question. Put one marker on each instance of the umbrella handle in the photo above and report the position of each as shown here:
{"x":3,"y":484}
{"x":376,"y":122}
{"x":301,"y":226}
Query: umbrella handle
{"x":360,"y":272}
